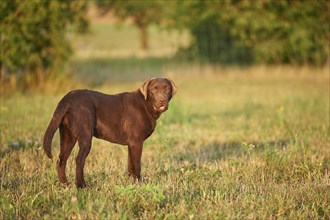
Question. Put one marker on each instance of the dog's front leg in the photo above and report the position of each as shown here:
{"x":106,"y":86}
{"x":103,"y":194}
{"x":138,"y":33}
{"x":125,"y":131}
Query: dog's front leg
{"x":134,"y":160}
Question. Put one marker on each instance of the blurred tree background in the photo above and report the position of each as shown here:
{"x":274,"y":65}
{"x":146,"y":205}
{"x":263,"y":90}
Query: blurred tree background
{"x":143,"y":14}
{"x":35,"y":38}
{"x":35,"y":35}
{"x":267,"y":31}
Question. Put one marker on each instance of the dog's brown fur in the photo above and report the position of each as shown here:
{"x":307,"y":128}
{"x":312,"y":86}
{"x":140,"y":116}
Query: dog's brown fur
{"x":126,"y":118}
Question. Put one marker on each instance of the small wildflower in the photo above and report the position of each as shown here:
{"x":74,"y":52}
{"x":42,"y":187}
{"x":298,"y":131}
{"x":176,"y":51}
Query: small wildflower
{"x":74,"y":199}
{"x":251,"y":146}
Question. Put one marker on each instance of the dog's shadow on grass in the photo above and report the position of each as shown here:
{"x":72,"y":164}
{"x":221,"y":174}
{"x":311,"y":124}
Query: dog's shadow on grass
{"x":216,"y":151}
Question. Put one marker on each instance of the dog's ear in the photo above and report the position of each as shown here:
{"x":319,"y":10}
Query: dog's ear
{"x":174,"y":87}
{"x":144,"y":88}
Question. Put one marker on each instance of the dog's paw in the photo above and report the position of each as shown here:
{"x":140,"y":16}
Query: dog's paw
{"x":81,"y":185}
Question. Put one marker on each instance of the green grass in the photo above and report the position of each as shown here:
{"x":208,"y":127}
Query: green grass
{"x":234,"y":144}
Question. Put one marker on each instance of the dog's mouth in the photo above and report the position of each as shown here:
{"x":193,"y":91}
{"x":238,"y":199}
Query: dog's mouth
{"x":160,"y":108}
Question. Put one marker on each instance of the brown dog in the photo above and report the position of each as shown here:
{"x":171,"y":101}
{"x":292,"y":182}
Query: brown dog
{"x":126,"y":118}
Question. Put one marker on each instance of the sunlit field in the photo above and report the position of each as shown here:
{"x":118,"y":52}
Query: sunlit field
{"x":236,"y":143}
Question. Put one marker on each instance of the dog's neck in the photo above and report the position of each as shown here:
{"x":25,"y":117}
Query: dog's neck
{"x":151,"y":112}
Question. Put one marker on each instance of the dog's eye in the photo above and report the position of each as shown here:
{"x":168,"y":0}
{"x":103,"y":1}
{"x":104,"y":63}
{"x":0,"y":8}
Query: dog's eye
{"x":154,"y":89}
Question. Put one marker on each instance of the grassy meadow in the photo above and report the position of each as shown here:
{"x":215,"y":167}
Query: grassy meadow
{"x":236,"y":143}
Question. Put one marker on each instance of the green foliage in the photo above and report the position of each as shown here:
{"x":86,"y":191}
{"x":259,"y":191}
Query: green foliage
{"x":269,"y":31}
{"x":34,"y":35}
{"x":142,"y":12}
{"x":212,"y":41}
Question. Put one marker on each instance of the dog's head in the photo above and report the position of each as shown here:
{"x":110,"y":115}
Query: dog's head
{"x":158,"y":92}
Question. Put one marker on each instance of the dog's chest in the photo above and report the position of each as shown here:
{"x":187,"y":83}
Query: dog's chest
{"x":152,"y":128}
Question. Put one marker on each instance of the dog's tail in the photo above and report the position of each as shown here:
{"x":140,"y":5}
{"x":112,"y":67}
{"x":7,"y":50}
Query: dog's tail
{"x":58,"y":115}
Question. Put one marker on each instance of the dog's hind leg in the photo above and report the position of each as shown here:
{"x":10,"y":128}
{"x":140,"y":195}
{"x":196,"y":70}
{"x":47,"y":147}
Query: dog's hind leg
{"x":67,"y":142}
{"x":84,"y":148}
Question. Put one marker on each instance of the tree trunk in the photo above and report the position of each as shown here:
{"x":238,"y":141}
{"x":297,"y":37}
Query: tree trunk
{"x":144,"y":41}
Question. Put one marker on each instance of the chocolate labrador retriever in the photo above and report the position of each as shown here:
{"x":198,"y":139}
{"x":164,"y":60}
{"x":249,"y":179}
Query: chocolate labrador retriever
{"x":127,"y":118}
